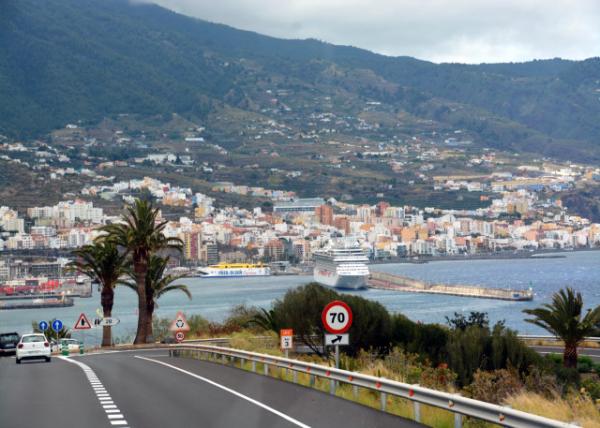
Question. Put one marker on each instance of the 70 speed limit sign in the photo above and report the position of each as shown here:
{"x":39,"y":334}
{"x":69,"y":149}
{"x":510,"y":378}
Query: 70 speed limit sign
{"x":337,"y":317}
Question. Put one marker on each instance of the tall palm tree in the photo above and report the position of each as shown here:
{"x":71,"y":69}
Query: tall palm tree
{"x":157,"y":285}
{"x":141,"y":234}
{"x":563,"y":318}
{"x":102,"y":262}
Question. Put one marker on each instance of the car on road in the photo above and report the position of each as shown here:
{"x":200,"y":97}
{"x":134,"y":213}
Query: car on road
{"x":72,"y":344}
{"x":8,"y":343}
{"x":32,"y":346}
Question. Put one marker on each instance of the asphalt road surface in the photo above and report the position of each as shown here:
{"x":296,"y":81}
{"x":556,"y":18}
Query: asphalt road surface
{"x":593,"y":353}
{"x":148,"y":389}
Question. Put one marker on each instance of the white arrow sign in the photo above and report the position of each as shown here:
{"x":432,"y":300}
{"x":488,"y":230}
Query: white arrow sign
{"x":337,"y":339}
{"x":109,"y":322}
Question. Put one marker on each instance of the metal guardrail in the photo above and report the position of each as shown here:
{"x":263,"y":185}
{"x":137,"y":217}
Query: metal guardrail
{"x":553,"y":338}
{"x":454,"y":403}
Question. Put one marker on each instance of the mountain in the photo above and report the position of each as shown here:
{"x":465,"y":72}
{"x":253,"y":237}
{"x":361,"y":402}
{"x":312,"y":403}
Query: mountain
{"x":67,"y":60}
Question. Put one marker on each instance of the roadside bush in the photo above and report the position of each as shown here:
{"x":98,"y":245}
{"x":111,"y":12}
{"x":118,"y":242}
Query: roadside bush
{"x":591,"y":386}
{"x":440,"y":378}
{"x":568,"y":378}
{"x":198,"y":325}
{"x":403,"y":330}
{"x":240,"y":317}
{"x":301,"y":309}
{"x":585,"y":364}
{"x":542,"y":381}
{"x":476,"y":347}
{"x":494,"y":386}
{"x":404,"y":364}
{"x":429,"y":340}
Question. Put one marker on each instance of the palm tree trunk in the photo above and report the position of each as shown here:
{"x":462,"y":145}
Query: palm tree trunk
{"x":140,"y":268}
{"x":570,"y":355}
{"x":150,"y":315}
{"x":107,"y":298}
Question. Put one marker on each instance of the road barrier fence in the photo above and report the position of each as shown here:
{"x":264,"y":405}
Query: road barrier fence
{"x":455,"y":403}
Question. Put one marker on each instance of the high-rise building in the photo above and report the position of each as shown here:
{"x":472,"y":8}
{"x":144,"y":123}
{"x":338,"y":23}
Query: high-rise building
{"x":325,"y":214}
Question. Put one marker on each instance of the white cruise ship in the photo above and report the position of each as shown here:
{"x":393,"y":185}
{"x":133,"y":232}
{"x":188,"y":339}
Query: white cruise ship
{"x":232,"y":270}
{"x":344,"y":265}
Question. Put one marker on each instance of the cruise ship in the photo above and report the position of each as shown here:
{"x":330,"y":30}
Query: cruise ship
{"x":344,"y":265}
{"x":232,"y":270}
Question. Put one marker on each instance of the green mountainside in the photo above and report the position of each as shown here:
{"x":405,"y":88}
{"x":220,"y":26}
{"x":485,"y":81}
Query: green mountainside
{"x":63,"y":61}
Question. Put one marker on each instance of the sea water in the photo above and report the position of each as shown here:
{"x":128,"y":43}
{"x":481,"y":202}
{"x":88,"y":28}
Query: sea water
{"x":214,"y":298}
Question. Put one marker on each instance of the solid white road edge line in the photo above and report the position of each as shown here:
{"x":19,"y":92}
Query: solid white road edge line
{"x":231,"y":391}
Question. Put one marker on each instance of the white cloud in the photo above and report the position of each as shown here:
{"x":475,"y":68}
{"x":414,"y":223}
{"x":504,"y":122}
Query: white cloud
{"x":437,"y":30}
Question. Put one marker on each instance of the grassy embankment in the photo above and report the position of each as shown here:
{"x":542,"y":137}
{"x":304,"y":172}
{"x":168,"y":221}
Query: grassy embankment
{"x":572,"y":408}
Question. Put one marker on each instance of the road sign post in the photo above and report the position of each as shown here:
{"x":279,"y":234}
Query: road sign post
{"x":83,"y":323}
{"x":57,"y":326}
{"x":286,"y":336}
{"x":337,"y":319}
{"x":179,"y":327}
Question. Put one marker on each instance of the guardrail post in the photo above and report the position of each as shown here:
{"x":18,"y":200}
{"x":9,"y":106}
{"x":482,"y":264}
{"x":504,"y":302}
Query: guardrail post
{"x":295,"y":376}
{"x":311,"y":380}
{"x":242,"y":361}
{"x":266,"y":369}
{"x":224,"y":359}
{"x":383,"y":401}
{"x":417,"y":411}
{"x":170,"y":353}
{"x":355,"y":391}
{"x":458,"y":420}
{"x":332,"y":387}
{"x":254,"y":366}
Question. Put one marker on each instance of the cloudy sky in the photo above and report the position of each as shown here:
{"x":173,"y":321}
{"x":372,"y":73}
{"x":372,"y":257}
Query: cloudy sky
{"x":437,"y":30}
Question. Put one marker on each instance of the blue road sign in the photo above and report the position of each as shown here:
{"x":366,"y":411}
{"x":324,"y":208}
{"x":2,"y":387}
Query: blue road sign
{"x":43,"y":325}
{"x":57,"y":325}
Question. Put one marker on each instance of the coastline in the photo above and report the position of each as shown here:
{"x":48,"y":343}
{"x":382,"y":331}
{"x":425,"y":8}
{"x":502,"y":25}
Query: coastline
{"x":506,"y":255}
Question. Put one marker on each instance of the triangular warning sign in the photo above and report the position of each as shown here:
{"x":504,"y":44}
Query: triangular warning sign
{"x":83,"y":323}
{"x":179,"y":323}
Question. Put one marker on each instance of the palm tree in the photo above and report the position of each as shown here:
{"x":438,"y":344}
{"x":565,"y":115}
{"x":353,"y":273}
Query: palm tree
{"x":141,"y":235}
{"x":563,"y":319}
{"x":267,"y":320}
{"x":157,"y":285}
{"x":103,"y":263}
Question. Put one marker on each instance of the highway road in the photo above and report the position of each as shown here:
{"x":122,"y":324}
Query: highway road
{"x":593,"y":353}
{"x":148,"y":389}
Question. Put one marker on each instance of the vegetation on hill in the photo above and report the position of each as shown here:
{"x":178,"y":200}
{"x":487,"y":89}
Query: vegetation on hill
{"x":82,"y":60}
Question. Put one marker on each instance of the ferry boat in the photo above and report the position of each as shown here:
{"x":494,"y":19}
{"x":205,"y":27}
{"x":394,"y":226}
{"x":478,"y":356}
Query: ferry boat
{"x":233,"y":270}
{"x":343,"y":265}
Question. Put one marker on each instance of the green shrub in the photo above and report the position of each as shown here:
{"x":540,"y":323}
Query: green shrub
{"x":494,"y":386}
{"x":585,"y":364}
{"x":592,"y":387}
{"x":300,"y":309}
{"x":440,"y":378}
{"x":429,"y":340}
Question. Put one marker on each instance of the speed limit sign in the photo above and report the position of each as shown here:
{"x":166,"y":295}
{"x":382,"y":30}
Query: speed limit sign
{"x":337,"y":317}
{"x":179,"y":336}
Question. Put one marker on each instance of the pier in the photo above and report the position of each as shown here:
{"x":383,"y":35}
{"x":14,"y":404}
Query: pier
{"x":387,"y":281}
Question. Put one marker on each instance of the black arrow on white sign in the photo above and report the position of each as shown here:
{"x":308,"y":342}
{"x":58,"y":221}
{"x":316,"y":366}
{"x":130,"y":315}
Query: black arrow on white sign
{"x":338,"y":338}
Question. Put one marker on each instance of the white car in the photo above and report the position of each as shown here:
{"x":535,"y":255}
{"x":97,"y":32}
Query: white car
{"x":33,"y":345}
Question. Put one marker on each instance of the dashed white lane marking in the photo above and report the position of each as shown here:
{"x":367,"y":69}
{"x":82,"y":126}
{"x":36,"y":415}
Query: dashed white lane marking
{"x":114,"y":415}
{"x":231,"y":391}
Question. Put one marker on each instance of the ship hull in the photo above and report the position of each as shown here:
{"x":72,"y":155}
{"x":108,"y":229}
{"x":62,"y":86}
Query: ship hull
{"x":233,"y":273}
{"x":346,"y":282}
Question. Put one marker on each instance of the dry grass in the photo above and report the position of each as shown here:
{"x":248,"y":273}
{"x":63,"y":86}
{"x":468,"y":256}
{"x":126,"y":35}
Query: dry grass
{"x":574,"y":408}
